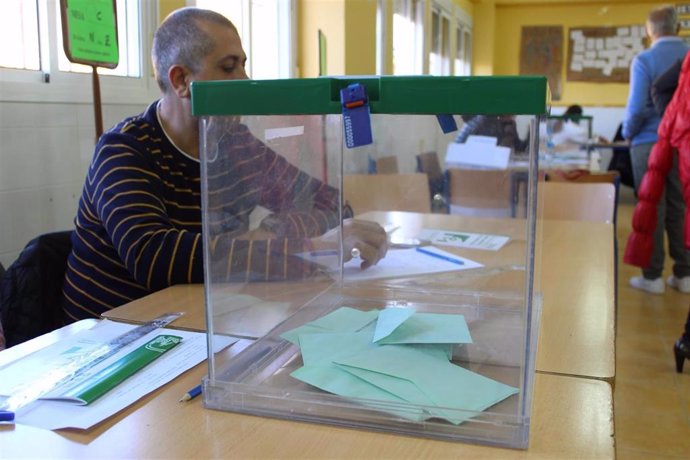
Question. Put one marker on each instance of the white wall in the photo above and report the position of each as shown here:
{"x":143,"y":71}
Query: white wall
{"x":45,"y":149}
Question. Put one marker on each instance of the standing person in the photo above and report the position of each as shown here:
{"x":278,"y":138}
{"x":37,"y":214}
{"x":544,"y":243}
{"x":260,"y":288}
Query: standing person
{"x":674,"y":133}
{"x":640,"y":129}
{"x":138,"y":225}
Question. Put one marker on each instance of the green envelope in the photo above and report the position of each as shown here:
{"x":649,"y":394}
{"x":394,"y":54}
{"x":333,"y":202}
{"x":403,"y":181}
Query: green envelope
{"x":429,"y":328}
{"x":447,"y":385}
{"x":389,"y":320}
{"x":344,"y":319}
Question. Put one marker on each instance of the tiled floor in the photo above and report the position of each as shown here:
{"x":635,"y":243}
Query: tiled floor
{"x":652,"y":401}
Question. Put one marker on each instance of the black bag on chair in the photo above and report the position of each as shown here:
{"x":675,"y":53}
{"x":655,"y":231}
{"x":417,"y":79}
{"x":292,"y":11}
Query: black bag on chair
{"x":620,"y":161}
{"x":31,"y":288}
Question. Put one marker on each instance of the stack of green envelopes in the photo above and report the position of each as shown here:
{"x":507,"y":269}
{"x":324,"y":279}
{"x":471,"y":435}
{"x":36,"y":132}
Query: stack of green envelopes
{"x":398,"y":357}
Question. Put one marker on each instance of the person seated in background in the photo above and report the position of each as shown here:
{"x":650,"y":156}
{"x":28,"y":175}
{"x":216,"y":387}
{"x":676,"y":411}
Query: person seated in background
{"x":568,"y":130}
{"x":502,"y":127}
{"x":138,"y":224}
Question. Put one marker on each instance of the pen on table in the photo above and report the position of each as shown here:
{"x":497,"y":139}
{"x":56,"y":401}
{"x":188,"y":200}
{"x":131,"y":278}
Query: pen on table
{"x":6,"y":416}
{"x":440,"y":256}
{"x":191,"y":394}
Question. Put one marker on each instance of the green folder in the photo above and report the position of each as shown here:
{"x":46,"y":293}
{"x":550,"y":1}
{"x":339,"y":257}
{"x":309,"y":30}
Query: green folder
{"x":105,"y":380}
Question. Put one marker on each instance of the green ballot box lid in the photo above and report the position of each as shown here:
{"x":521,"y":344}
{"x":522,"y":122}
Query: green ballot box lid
{"x":526,"y":95}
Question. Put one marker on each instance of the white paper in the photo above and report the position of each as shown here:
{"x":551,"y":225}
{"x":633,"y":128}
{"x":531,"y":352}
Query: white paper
{"x":53,"y":415}
{"x":464,"y":239}
{"x":477,"y":154}
{"x":407,"y":262}
{"x":277,"y":133}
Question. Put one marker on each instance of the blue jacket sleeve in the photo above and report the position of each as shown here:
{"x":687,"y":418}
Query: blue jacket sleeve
{"x":637,"y":107}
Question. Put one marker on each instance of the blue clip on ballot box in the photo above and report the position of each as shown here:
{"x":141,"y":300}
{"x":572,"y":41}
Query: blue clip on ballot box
{"x":364,"y":304}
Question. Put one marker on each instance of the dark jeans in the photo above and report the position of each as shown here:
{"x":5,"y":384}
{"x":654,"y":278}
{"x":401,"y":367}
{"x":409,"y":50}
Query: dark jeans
{"x":670,"y":217}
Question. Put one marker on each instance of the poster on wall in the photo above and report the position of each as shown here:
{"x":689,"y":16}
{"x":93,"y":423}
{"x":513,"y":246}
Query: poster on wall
{"x":541,"y":53}
{"x":603,"y":54}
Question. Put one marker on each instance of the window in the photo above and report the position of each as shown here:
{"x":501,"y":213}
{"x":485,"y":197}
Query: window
{"x":129,"y":43}
{"x":30,"y":36}
{"x":36,"y":69}
{"x":439,"y":55}
{"x":445,"y":50}
{"x":22,"y":33}
{"x":266,"y":28}
{"x":407,"y":37}
{"x":463,"y":44}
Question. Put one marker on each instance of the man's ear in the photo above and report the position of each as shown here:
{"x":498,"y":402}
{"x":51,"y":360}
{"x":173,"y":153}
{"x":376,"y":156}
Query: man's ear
{"x":180,"y":80}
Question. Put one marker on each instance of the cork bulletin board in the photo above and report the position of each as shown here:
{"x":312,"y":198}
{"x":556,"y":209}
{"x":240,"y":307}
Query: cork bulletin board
{"x":603,"y":54}
{"x":541,"y":53}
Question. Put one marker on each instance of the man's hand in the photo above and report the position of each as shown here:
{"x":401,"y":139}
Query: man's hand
{"x":368,"y":238}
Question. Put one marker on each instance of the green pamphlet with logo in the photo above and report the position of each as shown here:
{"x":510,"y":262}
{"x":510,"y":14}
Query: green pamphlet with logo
{"x":105,"y":380}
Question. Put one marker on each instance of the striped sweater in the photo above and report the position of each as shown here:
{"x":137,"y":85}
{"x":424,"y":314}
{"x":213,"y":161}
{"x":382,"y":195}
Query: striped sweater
{"x":138,"y":225}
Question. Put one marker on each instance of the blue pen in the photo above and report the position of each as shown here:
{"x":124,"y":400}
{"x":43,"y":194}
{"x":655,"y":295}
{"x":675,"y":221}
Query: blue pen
{"x":191,"y":394}
{"x":440,"y":256}
{"x":6,"y":416}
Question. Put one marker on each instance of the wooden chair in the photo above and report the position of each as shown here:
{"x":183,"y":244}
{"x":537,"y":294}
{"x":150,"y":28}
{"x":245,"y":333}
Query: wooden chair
{"x":593,"y":202}
{"x":387,"y":165}
{"x":387,"y":192}
{"x":429,"y":164}
{"x":480,"y":192}
{"x":581,"y":176}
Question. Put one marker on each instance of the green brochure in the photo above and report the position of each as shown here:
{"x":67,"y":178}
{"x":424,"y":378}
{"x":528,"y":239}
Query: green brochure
{"x":105,"y":380}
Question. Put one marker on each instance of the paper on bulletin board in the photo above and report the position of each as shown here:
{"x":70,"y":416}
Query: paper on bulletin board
{"x":603,"y":54}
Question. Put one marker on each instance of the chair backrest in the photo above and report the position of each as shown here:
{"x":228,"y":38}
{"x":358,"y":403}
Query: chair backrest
{"x":480,"y":192}
{"x":31,"y":288}
{"x":580,"y":177}
{"x":387,"y":165}
{"x":429,"y":163}
{"x":387,"y":192}
{"x":593,"y":202}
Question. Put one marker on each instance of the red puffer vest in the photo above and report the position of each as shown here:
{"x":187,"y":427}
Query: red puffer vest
{"x":674,"y":133}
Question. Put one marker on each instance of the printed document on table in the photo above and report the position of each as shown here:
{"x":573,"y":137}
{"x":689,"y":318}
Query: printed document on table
{"x":464,"y":239}
{"x":408,"y":262}
{"x":55,"y":413}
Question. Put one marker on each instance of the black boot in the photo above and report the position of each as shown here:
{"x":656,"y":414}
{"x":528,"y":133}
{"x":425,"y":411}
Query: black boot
{"x":681,"y":350}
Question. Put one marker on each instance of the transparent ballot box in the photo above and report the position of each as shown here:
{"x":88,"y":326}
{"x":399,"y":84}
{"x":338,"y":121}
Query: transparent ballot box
{"x":358,"y":299}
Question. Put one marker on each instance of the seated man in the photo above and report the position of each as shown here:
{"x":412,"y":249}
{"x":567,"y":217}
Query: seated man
{"x":502,"y":127}
{"x":138,"y":226}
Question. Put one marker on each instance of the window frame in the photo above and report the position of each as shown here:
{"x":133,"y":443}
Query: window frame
{"x":287,"y":67}
{"x":463,"y":23}
{"x":53,"y":85}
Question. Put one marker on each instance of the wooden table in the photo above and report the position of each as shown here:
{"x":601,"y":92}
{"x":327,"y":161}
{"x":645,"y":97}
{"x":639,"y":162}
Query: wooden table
{"x":575,"y":276}
{"x":571,"y":418}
